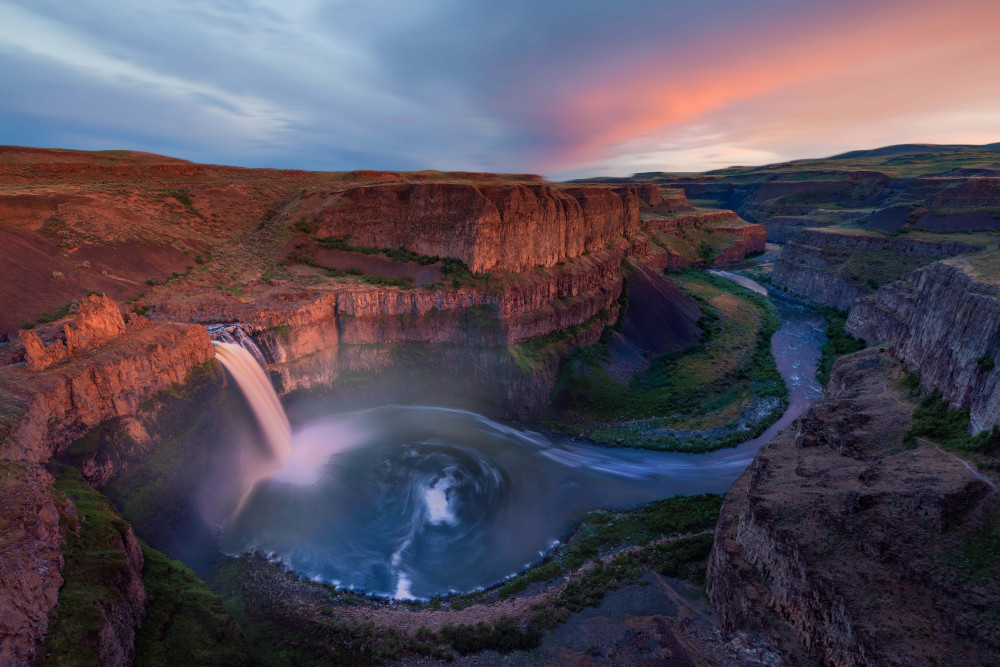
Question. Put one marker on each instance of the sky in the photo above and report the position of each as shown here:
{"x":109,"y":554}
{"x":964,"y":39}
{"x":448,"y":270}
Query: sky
{"x":567,"y":89}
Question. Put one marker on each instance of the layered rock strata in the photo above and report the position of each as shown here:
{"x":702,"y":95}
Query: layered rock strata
{"x":47,"y":409}
{"x":839,"y":540}
{"x":810,"y":265}
{"x":491,"y":227}
{"x":946,"y":323}
{"x":97,"y":320}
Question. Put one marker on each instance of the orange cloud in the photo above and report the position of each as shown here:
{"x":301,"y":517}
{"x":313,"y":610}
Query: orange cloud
{"x":811,"y":70}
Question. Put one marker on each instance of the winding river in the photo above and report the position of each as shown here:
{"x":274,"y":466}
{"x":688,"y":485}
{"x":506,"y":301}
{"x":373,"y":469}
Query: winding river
{"x":413,"y":502}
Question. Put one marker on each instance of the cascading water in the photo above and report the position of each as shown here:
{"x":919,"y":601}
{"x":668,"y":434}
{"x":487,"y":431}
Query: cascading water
{"x":234,"y":333}
{"x":256,"y":386}
{"x":413,"y":502}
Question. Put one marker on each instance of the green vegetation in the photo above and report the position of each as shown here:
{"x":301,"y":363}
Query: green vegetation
{"x":838,"y":343}
{"x":701,"y":387}
{"x":236,"y":291}
{"x":61,"y":312}
{"x":302,"y":226}
{"x":699,"y":240}
{"x":985,"y":265}
{"x":184,"y":197}
{"x":706,"y":253}
{"x":455,"y":270}
{"x":910,"y":384}
{"x":871,"y":269}
{"x":29,"y":325}
{"x":985,"y":363}
{"x":934,"y":419}
{"x":96,"y":572}
{"x":504,"y":637}
{"x":186,"y":624}
{"x":290,"y":633}
{"x":532,"y":354}
{"x":603,"y":532}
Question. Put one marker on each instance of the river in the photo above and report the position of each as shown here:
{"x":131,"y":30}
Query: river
{"x":412,"y":502}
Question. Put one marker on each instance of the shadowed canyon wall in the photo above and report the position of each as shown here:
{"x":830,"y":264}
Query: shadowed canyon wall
{"x":840,"y":541}
{"x":946,"y":323}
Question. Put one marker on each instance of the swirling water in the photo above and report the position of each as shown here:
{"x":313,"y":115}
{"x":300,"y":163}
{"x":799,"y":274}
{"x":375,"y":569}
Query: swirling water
{"x":413,"y":502}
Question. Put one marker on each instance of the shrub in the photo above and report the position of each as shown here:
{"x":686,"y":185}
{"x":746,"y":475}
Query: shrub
{"x":302,"y":226}
{"x":838,"y":343}
{"x":985,"y":363}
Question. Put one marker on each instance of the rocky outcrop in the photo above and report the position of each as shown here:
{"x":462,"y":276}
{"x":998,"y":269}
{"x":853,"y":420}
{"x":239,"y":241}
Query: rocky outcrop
{"x":491,"y":227}
{"x":48,"y":409}
{"x":97,"y":320}
{"x":840,"y":540}
{"x":946,"y":323}
{"x":102,"y":600}
{"x":814,"y":264}
{"x":30,"y":559}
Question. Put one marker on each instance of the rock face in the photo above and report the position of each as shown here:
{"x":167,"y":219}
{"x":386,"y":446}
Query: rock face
{"x":97,"y":321}
{"x":30,"y":559}
{"x":814,"y":264}
{"x":50,"y":408}
{"x":946,"y":323}
{"x":491,"y":227}
{"x":842,"y":542}
{"x":104,"y":560}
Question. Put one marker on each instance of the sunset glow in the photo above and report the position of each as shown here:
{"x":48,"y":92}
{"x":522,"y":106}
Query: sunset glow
{"x":571,"y":90}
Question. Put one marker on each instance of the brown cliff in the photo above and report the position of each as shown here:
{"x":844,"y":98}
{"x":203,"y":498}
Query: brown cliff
{"x":945,"y":322}
{"x":30,"y":559}
{"x":490,"y":227}
{"x":97,"y":321}
{"x":846,"y":545}
{"x":835,"y":267}
{"x":57,"y":405}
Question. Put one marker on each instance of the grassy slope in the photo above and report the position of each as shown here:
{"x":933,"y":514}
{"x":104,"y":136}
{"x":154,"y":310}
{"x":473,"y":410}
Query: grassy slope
{"x":699,"y":388}
{"x":915,"y":163}
{"x":93,"y":566}
{"x":185,"y":623}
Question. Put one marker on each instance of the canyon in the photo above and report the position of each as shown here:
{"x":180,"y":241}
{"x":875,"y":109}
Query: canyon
{"x":847,"y":541}
{"x":118,"y":261}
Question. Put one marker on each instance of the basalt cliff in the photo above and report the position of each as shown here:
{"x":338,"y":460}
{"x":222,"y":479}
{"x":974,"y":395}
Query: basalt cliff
{"x":117,"y":265}
{"x":849,"y":546}
{"x":833,"y":267}
{"x":937,"y":188}
{"x":944,"y":321}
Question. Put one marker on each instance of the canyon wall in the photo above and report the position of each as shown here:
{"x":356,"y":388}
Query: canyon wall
{"x":815,"y":265}
{"x":47,"y":409}
{"x":946,"y":323}
{"x":841,"y":542}
{"x":491,"y":227}
{"x":31,"y":560}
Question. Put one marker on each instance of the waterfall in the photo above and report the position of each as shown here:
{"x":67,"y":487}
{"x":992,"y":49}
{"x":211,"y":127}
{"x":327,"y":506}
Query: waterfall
{"x":234,"y":334}
{"x":256,"y":386}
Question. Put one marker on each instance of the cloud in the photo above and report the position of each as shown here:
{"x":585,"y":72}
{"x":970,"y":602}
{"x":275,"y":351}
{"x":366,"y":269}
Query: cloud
{"x":557,"y":87}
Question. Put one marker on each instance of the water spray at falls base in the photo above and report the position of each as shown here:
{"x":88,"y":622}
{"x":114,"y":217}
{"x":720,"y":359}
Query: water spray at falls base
{"x":416,"y":501}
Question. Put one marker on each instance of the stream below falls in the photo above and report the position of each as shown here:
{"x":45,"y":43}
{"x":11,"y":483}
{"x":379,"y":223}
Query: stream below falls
{"x":413,"y":502}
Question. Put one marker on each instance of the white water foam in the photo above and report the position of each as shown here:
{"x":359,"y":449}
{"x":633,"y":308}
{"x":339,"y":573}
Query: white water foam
{"x":436,"y":499}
